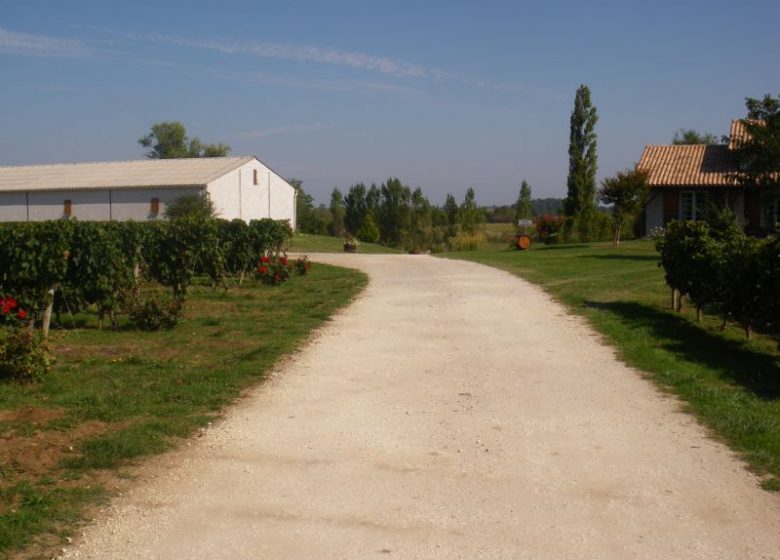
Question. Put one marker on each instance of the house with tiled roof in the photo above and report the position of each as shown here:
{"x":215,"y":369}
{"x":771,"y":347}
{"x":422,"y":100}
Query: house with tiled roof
{"x":685,"y":180}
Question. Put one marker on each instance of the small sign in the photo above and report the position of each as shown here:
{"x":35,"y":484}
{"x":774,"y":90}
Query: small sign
{"x":525,"y":223}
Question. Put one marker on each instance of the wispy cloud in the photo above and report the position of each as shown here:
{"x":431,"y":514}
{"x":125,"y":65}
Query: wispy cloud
{"x":276,"y":80}
{"x":302,"y":53}
{"x":12,"y":42}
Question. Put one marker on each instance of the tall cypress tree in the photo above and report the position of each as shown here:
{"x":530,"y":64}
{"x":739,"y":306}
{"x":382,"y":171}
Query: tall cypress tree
{"x":580,"y":200}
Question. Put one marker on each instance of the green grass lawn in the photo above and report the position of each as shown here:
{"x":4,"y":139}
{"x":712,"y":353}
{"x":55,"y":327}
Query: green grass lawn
{"x":115,"y":396}
{"x":732,"y":386}
{"x":308,"y":243}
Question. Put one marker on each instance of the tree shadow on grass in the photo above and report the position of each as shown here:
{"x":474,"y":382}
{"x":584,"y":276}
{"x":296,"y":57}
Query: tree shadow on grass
{"x":614,"y":257}
{"x":731,"y":361}
{"x":557,"y":247}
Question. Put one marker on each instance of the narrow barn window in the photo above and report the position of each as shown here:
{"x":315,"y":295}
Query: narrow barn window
{"x":68,"y":208}
{"x":155,"y":209}
{"x":255,"y":176}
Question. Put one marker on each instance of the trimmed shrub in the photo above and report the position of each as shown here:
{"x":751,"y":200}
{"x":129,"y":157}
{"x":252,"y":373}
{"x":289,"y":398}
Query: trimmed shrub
{"x":155,"y":313}
{"x":24,"y":354}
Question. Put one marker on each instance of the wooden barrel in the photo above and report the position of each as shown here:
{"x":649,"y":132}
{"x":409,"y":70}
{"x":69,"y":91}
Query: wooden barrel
{"x":523,"y":242}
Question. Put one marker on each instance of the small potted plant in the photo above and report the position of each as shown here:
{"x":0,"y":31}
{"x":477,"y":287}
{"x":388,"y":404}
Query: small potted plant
{"x":351,"y":244}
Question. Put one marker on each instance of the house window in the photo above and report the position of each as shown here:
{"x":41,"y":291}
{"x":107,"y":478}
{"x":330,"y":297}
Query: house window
{"x":155,"y":206}
{"x":255,"y":175}
{"x":693,"y":205}
{"x":67,"y":209}
{"x":770,"y":216}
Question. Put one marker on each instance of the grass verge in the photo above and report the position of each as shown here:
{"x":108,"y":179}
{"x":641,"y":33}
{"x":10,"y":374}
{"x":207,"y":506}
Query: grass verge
{"x":732,"y":386}
{"x":114,"y":396}
{"x":309,"y":243}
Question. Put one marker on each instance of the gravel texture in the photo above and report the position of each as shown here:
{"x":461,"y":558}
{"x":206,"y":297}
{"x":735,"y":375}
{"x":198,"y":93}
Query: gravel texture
{"x":453,"y":411}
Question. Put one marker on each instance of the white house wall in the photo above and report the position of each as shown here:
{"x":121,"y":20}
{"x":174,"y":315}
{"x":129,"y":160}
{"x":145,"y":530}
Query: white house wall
{"x":13,"y":207}
{"x":237,"y":195}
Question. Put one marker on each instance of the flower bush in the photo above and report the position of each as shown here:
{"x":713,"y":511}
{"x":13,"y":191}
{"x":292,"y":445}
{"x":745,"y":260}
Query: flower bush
{"x":11,"y":312}
{"x":273,"y":269}
{"x":548,"y":227}
{"x":24,"y":355}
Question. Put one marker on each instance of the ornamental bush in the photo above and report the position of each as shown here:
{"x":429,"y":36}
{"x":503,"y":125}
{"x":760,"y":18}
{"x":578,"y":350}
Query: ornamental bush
{"x":155,"y":313}
{"x":273,"y":270}
{"x":23,"y":354}
{"x":548,"y":227}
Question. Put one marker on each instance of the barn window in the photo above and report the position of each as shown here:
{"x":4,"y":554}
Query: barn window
{"x":68,"y":208}
{"x":155,"y":207}
{"x":255,"y":176}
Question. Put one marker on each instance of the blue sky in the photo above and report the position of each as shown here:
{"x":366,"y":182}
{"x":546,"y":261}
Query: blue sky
{"x":443,"y":95}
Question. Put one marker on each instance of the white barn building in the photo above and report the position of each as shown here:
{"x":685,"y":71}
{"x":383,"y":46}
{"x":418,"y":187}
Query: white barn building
{"x":239,"y":187}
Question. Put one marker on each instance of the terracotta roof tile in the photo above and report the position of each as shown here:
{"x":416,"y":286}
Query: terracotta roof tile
{"x":688,"y":166}
{"x":738,"y":134}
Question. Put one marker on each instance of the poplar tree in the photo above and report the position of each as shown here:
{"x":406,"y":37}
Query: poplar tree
{"x":581,"y":183}
{"x":524,"y":206}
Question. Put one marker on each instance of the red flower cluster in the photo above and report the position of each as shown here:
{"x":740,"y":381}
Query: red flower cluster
{"x":265,"y":259}
{"x":8,"y":304}
{"x":262,"y":269}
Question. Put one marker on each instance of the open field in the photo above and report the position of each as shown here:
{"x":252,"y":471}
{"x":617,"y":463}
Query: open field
{"x":309,"y":243}
{"x":733,"y":387}
{"x":114,"y":396}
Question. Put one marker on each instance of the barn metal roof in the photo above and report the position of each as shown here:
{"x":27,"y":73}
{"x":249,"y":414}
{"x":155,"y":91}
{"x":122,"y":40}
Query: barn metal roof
{"x":118,"y":174}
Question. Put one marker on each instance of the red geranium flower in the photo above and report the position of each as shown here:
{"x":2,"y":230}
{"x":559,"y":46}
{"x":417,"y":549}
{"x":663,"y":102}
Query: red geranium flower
{"x":262,"y":269}
{"x":283,"y":260}
{"x":22,"y":314}
{"x":277,"y":278}
{"x":265,"y":259}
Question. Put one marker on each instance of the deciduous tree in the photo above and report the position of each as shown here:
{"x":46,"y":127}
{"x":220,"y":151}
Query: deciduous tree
{"x":168,"y":140}
{"x":626,"y":192}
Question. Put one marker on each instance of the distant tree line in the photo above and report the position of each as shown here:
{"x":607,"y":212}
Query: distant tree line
{"x":395,"y":215}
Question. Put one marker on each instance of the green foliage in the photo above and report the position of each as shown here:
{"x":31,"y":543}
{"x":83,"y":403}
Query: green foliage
{"x":394,"y":212}
{"x":309,"y":219}
{"x":691,"y":137}
{"x":470,"y":216}
{"x":468,"y":241}
{"x":155,"y":312}
{"x":34,"y":259}
{"x":302,"y":266}
{"x":24,"y":354}
{"x":269,"y":235}
{"x":627,"y":193}
{"x":355,"y":208}
{"x":168,"y":140}
{"x":725,"y":271}
{"x":336,"y":227}
{"x":190,"y":206}
{"x":99,"y":272}
{"x":236,"y":242}
{"x":759,"y":156}
{"x":524,"y":204}
{"x":369,"y":231}
{"x":581,"y":181}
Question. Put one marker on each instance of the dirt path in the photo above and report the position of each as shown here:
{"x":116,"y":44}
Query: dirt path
{"x":453,"y":411}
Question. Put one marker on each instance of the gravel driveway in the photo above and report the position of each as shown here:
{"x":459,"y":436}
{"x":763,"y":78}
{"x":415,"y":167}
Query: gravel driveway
{"x":453,"y":411}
